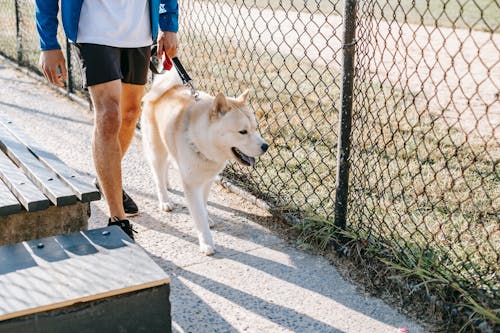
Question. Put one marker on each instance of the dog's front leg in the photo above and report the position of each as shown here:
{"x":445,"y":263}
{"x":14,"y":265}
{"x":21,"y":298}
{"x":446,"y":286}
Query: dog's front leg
{"x":206,"y":192}
{"x":194,"y":196}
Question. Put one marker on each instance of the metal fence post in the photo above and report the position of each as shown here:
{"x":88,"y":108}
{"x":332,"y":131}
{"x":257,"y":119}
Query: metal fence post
{"x":349,"y":48}
{"x":69,"y":68}
{"x":19,"y":44}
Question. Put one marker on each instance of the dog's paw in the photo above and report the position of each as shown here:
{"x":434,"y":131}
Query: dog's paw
{"x":207,"y":250}
{"x":167,"y":206}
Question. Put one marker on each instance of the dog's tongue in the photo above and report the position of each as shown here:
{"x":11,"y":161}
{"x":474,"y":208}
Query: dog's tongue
{"x":249,"y":160}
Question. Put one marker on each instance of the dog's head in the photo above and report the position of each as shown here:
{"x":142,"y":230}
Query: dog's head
{"x":234,"y":129}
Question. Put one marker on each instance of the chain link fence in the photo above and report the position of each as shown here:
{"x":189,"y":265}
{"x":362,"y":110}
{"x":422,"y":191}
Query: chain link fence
{"x":425,"y":175}
{"x":411,"y":88}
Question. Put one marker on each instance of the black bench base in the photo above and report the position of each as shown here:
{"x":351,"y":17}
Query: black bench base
{"x":145,"y":311}
{"x":97,"y":280}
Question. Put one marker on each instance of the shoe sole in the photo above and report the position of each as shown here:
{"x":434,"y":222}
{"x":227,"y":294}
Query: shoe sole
{"x":131,"y":214}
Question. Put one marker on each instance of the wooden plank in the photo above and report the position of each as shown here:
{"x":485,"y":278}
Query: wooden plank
{"x":81,"y":278}
{"x":81,"y":186}
{"x":46,"y":180}
{"x":25,"y":191}
{"x":8,"y":202}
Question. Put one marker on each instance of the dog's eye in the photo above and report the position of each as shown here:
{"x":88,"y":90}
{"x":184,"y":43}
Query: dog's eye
{"x":243,"y":132}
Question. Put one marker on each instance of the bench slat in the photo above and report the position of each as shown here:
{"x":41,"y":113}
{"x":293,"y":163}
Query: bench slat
{"x":82,"y":187}
{"x":47,"y":181}
{"x":8,"y":202}
{"x":26,"y":192}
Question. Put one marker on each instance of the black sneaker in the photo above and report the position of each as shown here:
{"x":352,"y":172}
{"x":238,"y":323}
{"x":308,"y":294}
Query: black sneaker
{"x":124,"y":225}
{"x":129,"y":206}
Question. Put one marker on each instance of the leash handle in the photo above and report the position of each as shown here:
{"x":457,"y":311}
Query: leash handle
{"x":167,"y":63}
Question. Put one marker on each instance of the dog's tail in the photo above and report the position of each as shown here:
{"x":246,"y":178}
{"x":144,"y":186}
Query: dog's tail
{"x":161,"y":84}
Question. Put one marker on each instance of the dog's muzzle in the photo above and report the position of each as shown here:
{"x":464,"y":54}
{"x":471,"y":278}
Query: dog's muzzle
{"x":242,"y":158}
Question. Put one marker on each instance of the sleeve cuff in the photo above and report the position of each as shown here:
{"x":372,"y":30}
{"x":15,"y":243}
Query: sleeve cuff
{"x":169,"y":22}
{"x":46,"y":46}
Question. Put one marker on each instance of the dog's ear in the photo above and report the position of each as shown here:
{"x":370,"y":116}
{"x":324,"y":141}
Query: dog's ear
{"x":220,"y":107}
{"x":243,"y":97}
{"x":259,"y":114}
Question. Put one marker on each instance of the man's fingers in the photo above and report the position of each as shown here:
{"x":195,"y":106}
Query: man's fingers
{"x":167,"y":44}
{"x":54,"y":76}
{"x":54,"y":66}
{"x":171,"y":52}
{"x":159,"y":49}
{"x":50,"y":75}
{"x":45,"y":73}
{"x":64,"y":71}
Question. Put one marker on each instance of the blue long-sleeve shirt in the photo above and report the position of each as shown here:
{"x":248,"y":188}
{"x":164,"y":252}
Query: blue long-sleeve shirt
{"x":164,"y":13}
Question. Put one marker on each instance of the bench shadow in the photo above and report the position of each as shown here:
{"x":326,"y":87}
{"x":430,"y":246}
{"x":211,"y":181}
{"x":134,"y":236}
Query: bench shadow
{"x":45,"y":114}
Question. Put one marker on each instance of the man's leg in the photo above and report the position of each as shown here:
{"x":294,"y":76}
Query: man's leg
{"x":130,"y":106}
{"x":106,"y":148}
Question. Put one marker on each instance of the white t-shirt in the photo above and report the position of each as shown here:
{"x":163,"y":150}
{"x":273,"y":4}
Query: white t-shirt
{"x":118,"y":23}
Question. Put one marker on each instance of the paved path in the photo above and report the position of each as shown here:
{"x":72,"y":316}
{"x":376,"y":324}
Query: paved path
{"x":257,"y":282}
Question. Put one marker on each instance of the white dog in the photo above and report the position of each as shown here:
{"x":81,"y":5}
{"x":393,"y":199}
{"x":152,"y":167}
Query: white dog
{"x":201,"y":136}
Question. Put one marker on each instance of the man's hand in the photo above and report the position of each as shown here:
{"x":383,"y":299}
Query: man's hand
{"x":54,"y":67}
{"x":167,"y":43}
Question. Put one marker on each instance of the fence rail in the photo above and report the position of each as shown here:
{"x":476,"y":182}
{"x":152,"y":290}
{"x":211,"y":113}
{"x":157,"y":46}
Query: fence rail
{"x":410,"y":88}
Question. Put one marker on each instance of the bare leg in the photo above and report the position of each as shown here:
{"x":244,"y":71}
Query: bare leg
{"x":106,"y":147}
{"x":130,"y":106}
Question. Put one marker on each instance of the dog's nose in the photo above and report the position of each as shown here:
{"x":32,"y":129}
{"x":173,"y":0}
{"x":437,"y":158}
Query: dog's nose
{"x":264,"y":146}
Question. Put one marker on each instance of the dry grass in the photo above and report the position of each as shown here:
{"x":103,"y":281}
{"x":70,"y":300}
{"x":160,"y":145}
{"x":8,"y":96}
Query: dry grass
{"x":429,"y":188}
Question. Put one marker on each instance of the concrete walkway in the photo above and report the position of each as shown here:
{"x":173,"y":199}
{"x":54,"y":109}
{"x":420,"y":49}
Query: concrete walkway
{"x":257,"y":281}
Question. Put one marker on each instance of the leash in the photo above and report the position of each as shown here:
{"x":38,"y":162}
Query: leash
{"x":167,"y":65}
{"x":186,"y":79}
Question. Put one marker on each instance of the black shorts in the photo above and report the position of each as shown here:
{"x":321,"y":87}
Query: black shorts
{"x":101,"y":63}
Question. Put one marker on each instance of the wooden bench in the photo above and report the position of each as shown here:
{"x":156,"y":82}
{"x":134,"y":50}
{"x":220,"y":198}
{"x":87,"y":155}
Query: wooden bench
{"x":91,"y":281}
{"x":40,"y":195}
